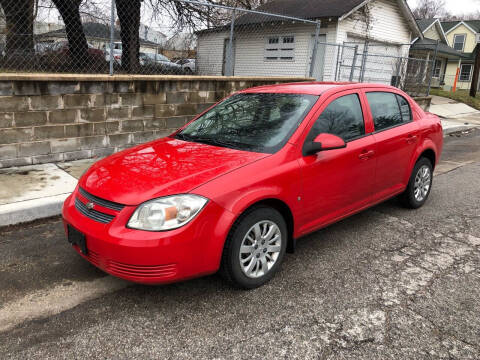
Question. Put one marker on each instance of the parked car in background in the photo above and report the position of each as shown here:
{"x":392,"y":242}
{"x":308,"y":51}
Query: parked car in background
{"x":117,"y":52}
{"x":61,"y":49}
{"x":188,"y":65}
{"x":162,"y":60}
{"x":235,"y":187}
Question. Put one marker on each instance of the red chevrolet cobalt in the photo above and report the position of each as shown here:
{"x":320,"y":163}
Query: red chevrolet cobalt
{"x":234,"y":188}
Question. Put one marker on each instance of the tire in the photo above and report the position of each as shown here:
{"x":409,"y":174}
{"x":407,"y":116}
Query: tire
{"x":255,"y":265}
{"x":416,"y":193}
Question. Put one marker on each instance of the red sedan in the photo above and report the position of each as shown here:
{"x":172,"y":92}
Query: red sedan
{"x":234,"y":188}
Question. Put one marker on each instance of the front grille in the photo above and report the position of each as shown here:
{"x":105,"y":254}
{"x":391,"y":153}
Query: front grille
{"x":93,"y":214}
{"x":142,"y":271}
{"x":127,"y":270}
{"x":102,"y":202}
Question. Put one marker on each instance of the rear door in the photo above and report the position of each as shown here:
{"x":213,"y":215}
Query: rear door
{"x":338,"y":182}
{"x":396,"y":136}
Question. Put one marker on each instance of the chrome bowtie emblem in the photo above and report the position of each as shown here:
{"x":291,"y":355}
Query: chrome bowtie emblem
{"x":90,"y":205}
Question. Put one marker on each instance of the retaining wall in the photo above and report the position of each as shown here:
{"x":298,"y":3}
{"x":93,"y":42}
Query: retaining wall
{"x":53,"y":118}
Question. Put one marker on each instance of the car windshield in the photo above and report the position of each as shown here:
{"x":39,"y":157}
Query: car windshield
{"x":260,"y":122}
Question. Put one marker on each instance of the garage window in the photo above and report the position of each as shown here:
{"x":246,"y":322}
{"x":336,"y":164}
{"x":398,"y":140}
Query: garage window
{"x":280,"y":48}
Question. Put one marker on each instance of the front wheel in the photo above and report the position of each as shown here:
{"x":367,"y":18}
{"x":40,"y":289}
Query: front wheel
{"x":254,"y":248}
{"x":419,"y":185}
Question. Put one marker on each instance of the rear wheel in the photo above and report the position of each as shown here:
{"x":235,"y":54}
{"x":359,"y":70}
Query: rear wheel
{"x":254,"y":248}
{"x":419,"y":185}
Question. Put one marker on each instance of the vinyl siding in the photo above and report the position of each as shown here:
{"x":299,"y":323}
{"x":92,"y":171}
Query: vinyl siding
{"x":432,"y":33}
{"x":470,"y":41}
{"x":387,"y":24}
{"x":210,"y":53}
{"x":389,"y":28}
{"x":250,"y":51}
{"x":389,"y":35}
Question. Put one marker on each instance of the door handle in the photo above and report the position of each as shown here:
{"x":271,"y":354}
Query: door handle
{"x":411,"y":139}
{"x":365,"y":155}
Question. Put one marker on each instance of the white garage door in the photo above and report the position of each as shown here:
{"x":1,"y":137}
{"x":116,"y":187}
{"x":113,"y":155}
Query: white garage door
{"x":381,"y":62}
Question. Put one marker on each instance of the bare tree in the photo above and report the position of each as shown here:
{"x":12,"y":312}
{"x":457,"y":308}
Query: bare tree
{"x":184,"y":15}
{"x":129,"y":16}
{"x":429,"y":9}
{"x":77,"y":42}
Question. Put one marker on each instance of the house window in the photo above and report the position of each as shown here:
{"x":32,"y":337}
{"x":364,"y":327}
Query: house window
{"x":466,"y":72}
{"x":459,"y":42}
{"x":280,"y":48}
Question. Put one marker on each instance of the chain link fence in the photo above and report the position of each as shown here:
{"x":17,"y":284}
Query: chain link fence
{"x":192,"y":37}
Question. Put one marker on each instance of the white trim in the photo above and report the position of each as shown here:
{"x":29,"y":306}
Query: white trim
{"x":429,"y":26}
{"x":464,"y":41}
{"x":344,"y":16}
{"x":439,"y":25}
{"x":407,"y":13}
{"x":442,"y":32}
{"x":461,"y":23}
{"x":375,"y":39}
{"x":469,"y":76}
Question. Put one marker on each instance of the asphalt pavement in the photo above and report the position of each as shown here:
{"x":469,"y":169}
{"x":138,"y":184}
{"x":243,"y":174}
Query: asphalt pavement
{"x":388,"y":283}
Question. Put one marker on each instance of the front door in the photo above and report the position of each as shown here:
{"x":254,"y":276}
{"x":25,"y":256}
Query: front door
{"x":338,"y":182}
{"x":396,"y":136}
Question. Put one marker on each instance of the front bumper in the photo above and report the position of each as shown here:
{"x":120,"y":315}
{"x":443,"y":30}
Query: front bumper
{"x":152,"y":257}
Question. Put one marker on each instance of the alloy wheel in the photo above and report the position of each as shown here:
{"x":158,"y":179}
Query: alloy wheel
{"x":260,"y":249}
{"x":422,"y":183}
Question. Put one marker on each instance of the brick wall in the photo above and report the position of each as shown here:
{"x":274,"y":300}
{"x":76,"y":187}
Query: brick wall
{"x":53,"y":118}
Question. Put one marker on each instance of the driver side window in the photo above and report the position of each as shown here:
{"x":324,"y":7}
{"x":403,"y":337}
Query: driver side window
{"x":343,"y":117}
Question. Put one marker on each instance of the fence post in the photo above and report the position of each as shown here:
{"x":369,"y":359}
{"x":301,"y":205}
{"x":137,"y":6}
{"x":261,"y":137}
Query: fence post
{"x":112,"y":35}
{"x":433,"y":68}
{"x":315,"y":48}
{"x":230,"y":60}
{"x":354,"y":62}
{"x":338,"y":61}
{"x":364,"y":61}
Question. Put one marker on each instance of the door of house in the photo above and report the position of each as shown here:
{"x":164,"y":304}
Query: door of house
{"x":319,"y":65}
{"x":225,"y":56}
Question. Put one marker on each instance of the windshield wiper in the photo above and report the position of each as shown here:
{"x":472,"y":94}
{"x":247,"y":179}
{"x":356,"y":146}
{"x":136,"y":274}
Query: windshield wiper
{"x":212,"y":141}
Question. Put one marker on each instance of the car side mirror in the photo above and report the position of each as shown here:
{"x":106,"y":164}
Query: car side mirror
{"x":324,"y":142}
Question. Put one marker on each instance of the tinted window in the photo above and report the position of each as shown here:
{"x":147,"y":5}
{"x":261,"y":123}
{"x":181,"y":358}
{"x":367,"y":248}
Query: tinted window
{"x":253,"y":122}
{"x":343,"y":117}
{"x":386,"y":110}
{"x":404,"y":109}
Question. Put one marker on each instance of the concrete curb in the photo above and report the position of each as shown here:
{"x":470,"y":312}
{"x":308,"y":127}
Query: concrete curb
{"x":459,"y":128}
{"x":29,"y":210}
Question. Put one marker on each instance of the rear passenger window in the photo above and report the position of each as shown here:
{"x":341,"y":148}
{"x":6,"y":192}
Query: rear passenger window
{"x":343,"y":117}
{"x":388,"y":110}
{"x":404,"y":109}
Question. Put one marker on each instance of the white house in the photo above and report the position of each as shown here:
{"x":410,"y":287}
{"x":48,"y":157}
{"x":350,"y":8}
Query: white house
{"x":266,"y":45}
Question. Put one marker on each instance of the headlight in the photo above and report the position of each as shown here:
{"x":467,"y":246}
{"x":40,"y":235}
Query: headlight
{"x":166,"y":213}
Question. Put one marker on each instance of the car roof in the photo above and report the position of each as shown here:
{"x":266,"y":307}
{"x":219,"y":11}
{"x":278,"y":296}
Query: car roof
{"x":313,"y":88}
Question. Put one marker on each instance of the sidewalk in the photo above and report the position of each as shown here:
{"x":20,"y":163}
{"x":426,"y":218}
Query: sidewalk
{"x":455,"y":116}
{"x":34,"y":192}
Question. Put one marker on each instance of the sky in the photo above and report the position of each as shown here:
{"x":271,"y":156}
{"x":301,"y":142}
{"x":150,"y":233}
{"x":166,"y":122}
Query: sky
{"x":456,"y":7}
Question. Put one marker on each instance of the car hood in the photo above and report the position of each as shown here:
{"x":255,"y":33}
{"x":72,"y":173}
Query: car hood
{"x":163,"y":167}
